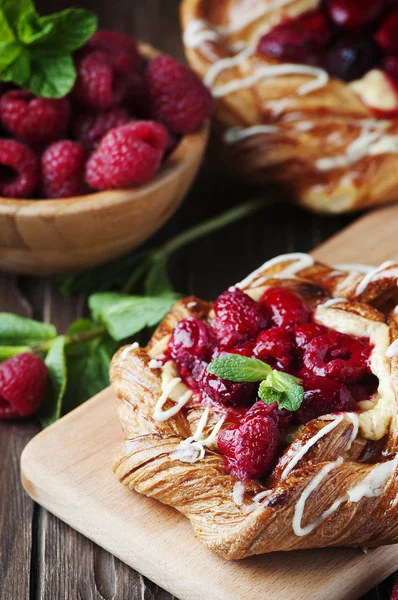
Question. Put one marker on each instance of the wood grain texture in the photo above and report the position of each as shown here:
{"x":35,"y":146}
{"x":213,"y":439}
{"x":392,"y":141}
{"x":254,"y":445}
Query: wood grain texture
{"x":66,"y":462}
{"x":207,"y":268}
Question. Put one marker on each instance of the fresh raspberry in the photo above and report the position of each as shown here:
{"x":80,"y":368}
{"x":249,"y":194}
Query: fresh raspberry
{"x":276,"y":347}
{"x":238,"y":318}
{"x":303,"y":334}
{"x":90,"y":127}
{"x":62,"y":167}
{"x":191,"y":339}
{"x":98,"y":84}
{"x":32,"y":119}
{"x":127,"y":156}
{"x":338,"y":356}
{"x":250,"y":448}
{"x":323,"y":396}
{"x":386,"y":35}
{"x":23,"y":381}
{"x":394,"y":592}
{"x":285,"y":307}
{"x":19,"y":169}
{"x":226,"y":392}
{"x":177,"y":96}
{"x":120,"y":47}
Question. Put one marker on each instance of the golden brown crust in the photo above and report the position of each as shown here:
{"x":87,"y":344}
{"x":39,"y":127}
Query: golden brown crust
{"x":289,"y":155}
{"x":204,"y":491}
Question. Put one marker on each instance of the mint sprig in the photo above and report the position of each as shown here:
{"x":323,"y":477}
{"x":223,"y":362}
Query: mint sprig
{"x":275,"y":386}
{"x":147,"y":269}
{"x":36,"y":52}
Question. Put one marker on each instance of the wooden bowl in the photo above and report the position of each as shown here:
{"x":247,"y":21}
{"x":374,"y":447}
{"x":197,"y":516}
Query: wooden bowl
{"x":42,"y":237}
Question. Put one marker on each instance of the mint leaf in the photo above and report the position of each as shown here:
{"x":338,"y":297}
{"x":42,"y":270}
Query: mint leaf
{"x":66,"y":31}
{"x":15,"y":9}
{"x":30,"y":30}
{"x":51,"y":76}
{"x":239,"y":368}
{"x":88,"y":371}
{"x":18,"y":71}
{"x":291,"y":393}
{"x":125,"y":315}
{"x":51,"y":408}
{"x":15,"y":330}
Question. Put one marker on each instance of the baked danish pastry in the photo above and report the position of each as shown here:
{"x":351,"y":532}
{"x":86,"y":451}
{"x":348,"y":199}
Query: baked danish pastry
{"x":311,"y":464}
{"x":306,"y":94}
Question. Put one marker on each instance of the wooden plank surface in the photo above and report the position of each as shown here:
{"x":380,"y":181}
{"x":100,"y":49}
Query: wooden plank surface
{"x":68,"y":471}
{"x":41,"y":557}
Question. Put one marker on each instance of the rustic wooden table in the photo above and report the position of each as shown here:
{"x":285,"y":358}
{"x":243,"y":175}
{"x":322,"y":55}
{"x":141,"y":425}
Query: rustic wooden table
{"x":41,"y":558}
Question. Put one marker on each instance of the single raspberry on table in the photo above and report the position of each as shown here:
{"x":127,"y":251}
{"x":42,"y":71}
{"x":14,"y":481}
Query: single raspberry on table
{"x":177,"y":97}
{"x":62,"y":167}
{"x":127,"y":156}
{"x":90,"y":127}
{"x":238,"y":318}
{"x":338,"y":356}
{"x":323,"y":396}
{"x":23,"y":382}
{"x":285,"y":307}
{"x":19,"y":169}
{"x":191,"y":340}
{"x":250,"y":447}
{"x":120,"y":47}
{"x":32,"y":119}
{"x":98,"y":84}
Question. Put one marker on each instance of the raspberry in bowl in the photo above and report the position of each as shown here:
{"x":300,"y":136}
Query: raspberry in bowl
{"x":88,"y":177}
{"x":306,"y":95}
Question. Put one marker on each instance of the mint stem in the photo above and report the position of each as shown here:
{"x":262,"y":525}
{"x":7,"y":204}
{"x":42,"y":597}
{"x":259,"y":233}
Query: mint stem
{"x":212,"y":224}
{"x":75,"y":338}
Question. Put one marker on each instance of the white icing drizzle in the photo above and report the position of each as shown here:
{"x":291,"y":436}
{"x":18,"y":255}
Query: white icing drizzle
{"x":321,"y":78}
{"x":238,"y":493}
{"x":197,"y":32}
{"x":225,"y":63}
{"x":321,"y":433}
{"x":355,"y":421}
{"x":374,"y":275}
{"x":155,"y":364}
{"x":311,"y":487}
{"x":392,"y":349}
{"x":370,"y":141}
{"x":128,"y":349}
{"x":193,"y":448}
{"x":357,"y":267}
{"x":374,"y":483}
{"x":299,"y":260}
{"x":159,"y":414}
{"x":236,"y":134}
{"x":304,"y":126}
{"x":191,"y":304}
{"x":331,"y":302}
{"x":259,"y":12}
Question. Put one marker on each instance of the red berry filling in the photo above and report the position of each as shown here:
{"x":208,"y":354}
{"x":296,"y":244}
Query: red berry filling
{"x":348,"y":38}
{"x":278,"y":330}
{"x":238,"y":318}
{"x":251,"y":447}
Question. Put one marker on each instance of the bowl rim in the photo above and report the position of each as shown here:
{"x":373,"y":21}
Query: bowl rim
{"x":166,"y":172}
{"x":174,"y":163}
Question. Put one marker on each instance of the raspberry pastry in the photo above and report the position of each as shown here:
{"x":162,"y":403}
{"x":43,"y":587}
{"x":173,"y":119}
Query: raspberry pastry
{"x":269,"y":418}
{"x":307,"y":93}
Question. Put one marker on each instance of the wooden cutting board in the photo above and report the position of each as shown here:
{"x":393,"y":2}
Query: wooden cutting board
{"x":68,"y":469}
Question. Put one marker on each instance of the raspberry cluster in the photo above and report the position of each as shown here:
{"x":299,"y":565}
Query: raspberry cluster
{"x":279,"y":330}
{"x":123,"y":116}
